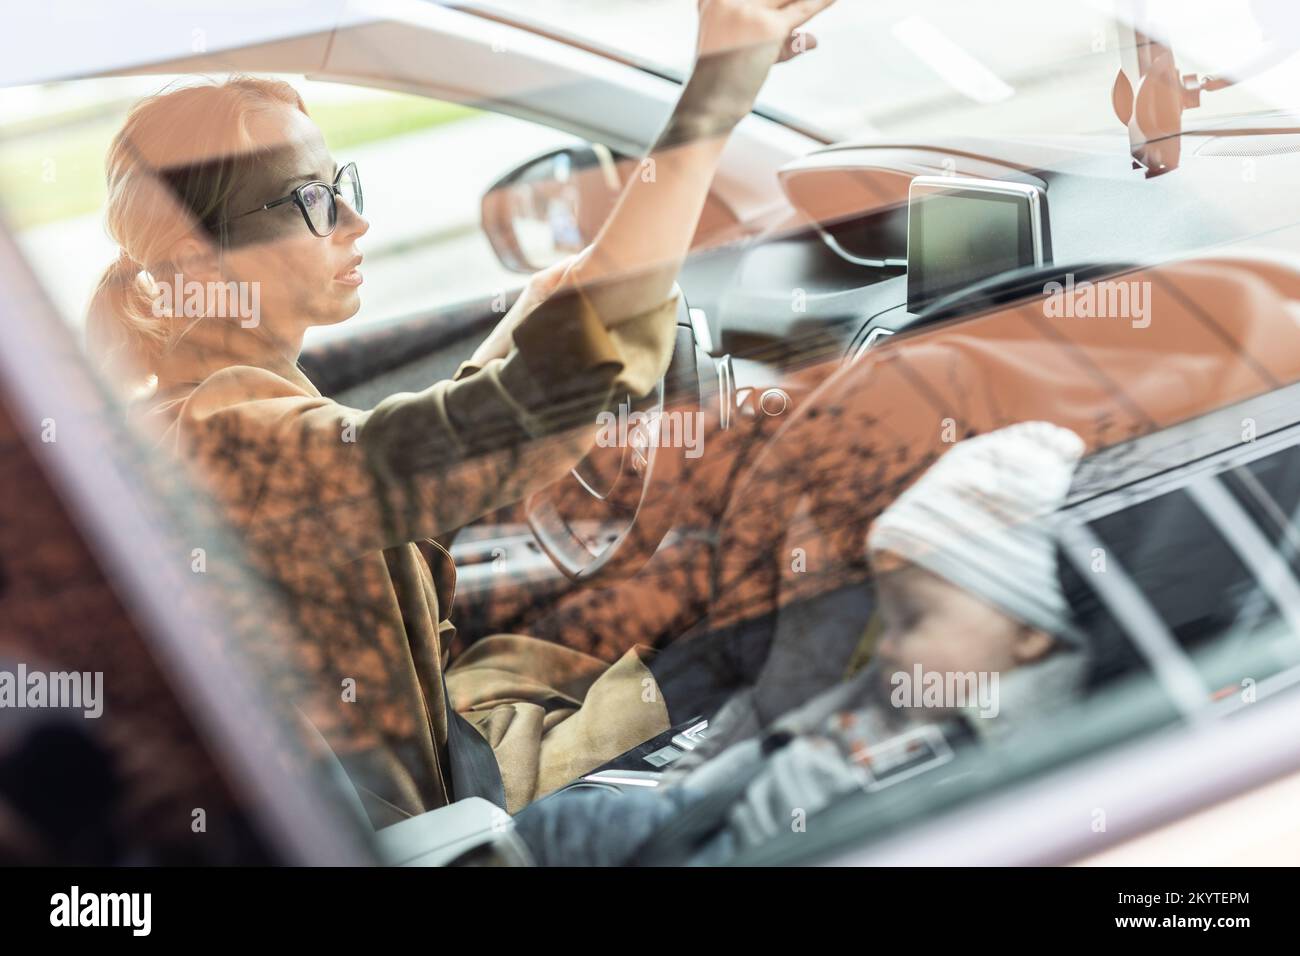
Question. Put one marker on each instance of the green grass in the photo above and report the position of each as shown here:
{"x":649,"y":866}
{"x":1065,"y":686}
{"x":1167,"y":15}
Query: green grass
{"x":352,"y":124}
{"x":57,"y":172}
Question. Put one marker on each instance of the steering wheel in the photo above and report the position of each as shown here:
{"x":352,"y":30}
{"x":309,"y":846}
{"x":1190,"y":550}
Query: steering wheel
{"x":607,"y":517}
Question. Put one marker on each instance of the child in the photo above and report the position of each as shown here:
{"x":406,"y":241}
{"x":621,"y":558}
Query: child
{"x":976,"y":628}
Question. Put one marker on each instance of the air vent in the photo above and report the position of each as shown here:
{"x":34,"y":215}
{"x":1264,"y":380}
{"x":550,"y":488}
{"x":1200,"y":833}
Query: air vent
{"x":1270,"y":144}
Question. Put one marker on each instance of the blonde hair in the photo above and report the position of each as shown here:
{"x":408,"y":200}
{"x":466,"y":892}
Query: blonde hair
{"x":171,"y":170}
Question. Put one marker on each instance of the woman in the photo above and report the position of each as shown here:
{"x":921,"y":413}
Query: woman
{"x":231,"y":188}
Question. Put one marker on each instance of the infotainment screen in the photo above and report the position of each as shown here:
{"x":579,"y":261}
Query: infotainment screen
{"x":960,"y":231}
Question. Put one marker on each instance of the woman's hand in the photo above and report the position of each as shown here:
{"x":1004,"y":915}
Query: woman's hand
{"x":539,"y":288}
{"x":631,"y":265}
{"x":738,"y":42}
{"x":772,"y":25}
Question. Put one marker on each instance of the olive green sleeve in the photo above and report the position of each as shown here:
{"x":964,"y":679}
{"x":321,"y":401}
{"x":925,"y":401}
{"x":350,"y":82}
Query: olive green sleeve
{"x":463,"y":447}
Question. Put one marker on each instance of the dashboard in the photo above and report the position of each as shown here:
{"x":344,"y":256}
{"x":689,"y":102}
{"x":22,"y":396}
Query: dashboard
{"x":884,"y":235}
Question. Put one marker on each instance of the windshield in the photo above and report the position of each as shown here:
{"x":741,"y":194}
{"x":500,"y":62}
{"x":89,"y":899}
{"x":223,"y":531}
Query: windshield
{"x":951,"y":67}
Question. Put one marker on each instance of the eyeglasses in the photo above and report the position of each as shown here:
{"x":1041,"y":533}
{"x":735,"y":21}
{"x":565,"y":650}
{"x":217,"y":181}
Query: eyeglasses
{"x":316,"y":200}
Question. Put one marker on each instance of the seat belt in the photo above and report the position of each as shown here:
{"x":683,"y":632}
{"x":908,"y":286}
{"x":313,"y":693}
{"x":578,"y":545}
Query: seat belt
{"x":675,"y":840}
{"x":474,"y":768}
{"x":473,"y":765}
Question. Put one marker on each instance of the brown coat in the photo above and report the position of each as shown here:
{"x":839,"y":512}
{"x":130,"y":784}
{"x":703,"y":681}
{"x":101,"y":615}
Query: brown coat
{"x":338,"y":507}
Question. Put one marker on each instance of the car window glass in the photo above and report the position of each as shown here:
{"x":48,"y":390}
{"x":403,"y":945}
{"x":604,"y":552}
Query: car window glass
{"x":1223,"y":623}
{"x":947,"y":66}
{"x":424,"y":165}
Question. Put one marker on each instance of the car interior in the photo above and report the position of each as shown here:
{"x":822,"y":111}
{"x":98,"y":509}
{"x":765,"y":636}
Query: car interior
{"x":919,"y":270}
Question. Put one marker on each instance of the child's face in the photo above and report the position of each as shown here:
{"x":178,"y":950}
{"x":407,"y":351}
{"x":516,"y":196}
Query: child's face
{"x":928,"y":621}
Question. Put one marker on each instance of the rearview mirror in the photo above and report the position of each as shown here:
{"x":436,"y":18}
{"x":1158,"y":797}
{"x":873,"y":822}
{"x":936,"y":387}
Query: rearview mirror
{"x":551,"y":206}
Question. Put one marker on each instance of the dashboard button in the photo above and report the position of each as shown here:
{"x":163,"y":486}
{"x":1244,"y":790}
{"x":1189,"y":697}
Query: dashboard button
{"x":774,"y":402}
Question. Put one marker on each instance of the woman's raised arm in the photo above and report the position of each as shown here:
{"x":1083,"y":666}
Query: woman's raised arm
{"x":631,"y":265}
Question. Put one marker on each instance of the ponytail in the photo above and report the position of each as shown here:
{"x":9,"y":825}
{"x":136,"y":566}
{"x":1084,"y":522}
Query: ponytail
{"x":123,"y":332}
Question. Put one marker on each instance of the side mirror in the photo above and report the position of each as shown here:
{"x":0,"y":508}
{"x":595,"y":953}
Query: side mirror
{"x":551,"y":206}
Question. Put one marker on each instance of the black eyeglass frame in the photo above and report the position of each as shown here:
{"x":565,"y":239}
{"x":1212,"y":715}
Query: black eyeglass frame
{"x":295,"y":197}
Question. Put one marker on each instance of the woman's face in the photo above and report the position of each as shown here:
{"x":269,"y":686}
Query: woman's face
{"x":304,"y":279}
